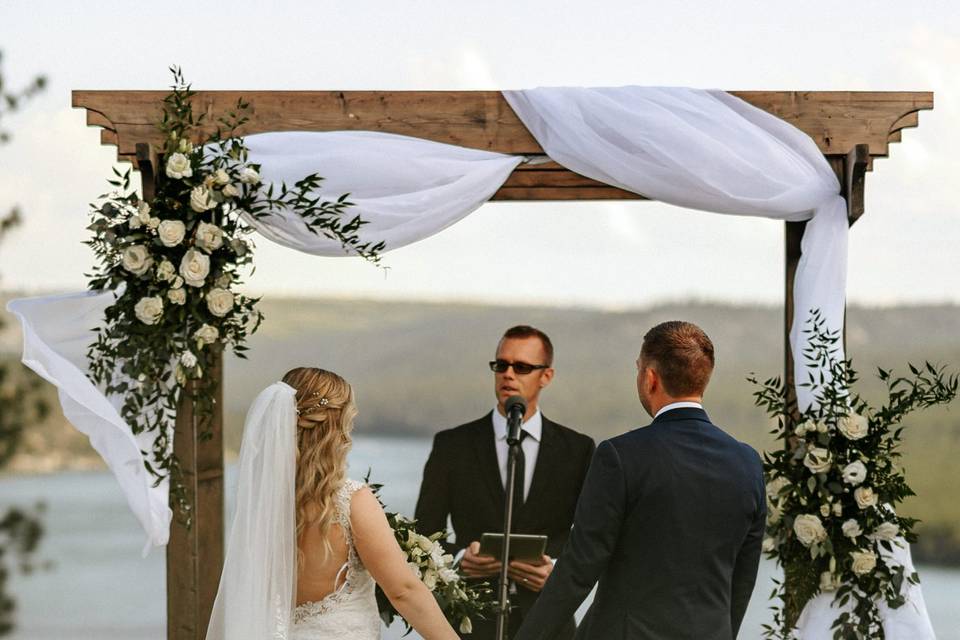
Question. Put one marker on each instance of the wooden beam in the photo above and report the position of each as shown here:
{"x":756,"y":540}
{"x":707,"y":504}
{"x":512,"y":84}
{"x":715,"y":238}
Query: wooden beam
{"x":853,"y":181}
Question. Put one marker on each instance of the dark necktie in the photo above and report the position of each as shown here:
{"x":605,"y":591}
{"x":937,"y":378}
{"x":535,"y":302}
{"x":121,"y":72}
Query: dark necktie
{"x":520,"y":477}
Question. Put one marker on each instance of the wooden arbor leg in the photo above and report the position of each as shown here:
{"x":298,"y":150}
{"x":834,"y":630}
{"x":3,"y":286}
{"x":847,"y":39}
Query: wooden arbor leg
{"x":195,"y":555}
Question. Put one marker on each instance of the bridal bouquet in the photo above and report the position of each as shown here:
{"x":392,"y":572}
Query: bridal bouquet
{"x":460,"y":601}
{"x":833,"y":488}
{"x":175,"y":263}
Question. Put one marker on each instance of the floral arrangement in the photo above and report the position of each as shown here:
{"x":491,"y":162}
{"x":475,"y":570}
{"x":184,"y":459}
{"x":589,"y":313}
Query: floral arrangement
{"x":833,"y":488}
{"x":461,"y":601}
{"x":176,"y":264}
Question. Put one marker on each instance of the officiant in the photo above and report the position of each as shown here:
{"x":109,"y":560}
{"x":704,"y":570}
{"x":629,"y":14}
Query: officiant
{"x":465,"y":474}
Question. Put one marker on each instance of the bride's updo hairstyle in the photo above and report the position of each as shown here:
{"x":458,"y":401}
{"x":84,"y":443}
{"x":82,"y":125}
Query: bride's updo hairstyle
{"x":325,"y":413}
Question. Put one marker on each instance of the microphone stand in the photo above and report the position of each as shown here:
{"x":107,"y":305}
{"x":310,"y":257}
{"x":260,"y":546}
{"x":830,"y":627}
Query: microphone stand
{"x":514,"y":421}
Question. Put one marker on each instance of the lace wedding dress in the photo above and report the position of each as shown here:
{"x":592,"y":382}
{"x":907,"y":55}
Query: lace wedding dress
{"x":351,"y":610}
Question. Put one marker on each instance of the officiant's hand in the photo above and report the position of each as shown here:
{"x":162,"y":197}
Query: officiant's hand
{"x":531,"y":576}
{"x":477,"y":566}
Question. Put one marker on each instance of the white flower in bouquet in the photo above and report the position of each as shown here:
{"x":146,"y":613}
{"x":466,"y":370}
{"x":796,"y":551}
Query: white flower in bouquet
{"x":466,"y":626}
{"x":209,"y":237}
{"x":855,"y":473}
{"x":171,"y":232}
{"x":769,"y":544}
{"x":865,"y":497}
{"x":136,"y":259}
{"x":774,"y":513}
{"x":854,"y":426}
{"x":863,"y":562}
{"x":823,"y":427}
{"x":177,"y":296}
{"x":178,"y":166}
{"x":195,"y":267}
{"x":837,"y":509}
{"x":809,"y":529}
{"x":239,"y":247}
{"x":224,"y":281}
{"x":448,"y":575}
{"x":885,"y":531}
{"x":219,"y":302}
{"x":188,"y":360}
{"x":851,"y":528}
{"x":148,"y":310}
{"x":221,"y":178}
{"x":829,"y":581}
{"x":825,"y":510}
{"x":143,"y":212}
{"x":185,"y":145}
{"x":177,"y":283}
{"x":135,"y":222}
{"x":249,"y":175}
{"x":775,"y":486}
{"x":206,"y":334}
{"x":153,"y":222}
{"x":425,"y":543}
{"x":200,"y":200}
{"x":166,"y":271}
{"x":231,"y":191}
{"x":818,"y":460}
{"x":430,"y":579}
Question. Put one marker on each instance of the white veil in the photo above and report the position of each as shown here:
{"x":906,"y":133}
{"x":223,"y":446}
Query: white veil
{"x":257,"y":586}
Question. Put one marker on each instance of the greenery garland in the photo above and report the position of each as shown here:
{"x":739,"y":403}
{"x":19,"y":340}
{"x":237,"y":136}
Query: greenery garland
{"x":834,"y":486}
{"x":176,"y":264}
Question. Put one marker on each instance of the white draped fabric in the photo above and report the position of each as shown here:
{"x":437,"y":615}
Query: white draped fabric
{"x":56,"y":333}
{"x":705,"y":150}
{"x":407,"y":189}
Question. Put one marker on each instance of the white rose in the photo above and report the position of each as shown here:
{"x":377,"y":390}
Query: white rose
{"x":809,"y":529}
{"x":171,"y":232}
{"x":854,"y":426}
{"x":136,"y":259}
{"x":221,"y":177}
{"x":837,"y":509}
{"x":206,"y":334}
{"x":166,"y":271}
{"x":194,"y":267}
{"x":178,"y":166}
{"x":200,"y":199}
{"x":219,"y":302}
{"x":851,"y":528}
{"x":769,"y":544}
{"x":249,"y":175}
{"x":775,"y":486}
{"x":855,"y":473}
{"x":231,"y":191}
{"x":817,"y":460}
{"x":177,"y":296}
{"x":863,"y":562}
{"x":825,"y":510}
{"x":865,"y":497}
{"x":188,"y":360}
{"x":153,"y":222}
{"x":466,"y":626}
{"x":829,"y":581}
{"x":886,"y":531}
{"x":209,"y":237}
{"x":149,"y":309}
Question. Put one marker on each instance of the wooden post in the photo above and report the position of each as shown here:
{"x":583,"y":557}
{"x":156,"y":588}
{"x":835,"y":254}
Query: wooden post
{"x":195,"y":555}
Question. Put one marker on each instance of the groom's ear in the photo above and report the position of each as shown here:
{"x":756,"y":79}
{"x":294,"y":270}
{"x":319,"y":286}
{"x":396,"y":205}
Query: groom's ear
{"x":546,"y":377}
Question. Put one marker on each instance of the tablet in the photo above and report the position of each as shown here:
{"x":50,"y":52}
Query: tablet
{"x":523,"y":547}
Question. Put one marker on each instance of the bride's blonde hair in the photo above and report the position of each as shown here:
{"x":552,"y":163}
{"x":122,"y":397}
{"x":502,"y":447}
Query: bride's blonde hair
{"x":325,"y":413}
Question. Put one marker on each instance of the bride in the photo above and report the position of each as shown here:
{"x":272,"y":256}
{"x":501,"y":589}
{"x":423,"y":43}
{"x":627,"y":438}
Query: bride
{"x":308,"y":546}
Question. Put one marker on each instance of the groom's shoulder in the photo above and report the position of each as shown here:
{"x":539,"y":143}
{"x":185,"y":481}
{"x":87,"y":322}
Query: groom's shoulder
{"x":466,"y":430}
{"x":568,"y":434}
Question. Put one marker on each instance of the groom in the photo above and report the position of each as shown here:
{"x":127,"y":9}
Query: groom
{"x":671,"y":517}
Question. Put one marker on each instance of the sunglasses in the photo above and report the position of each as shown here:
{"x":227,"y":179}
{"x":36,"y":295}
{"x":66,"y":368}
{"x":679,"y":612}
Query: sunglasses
{"x":519,"y":368}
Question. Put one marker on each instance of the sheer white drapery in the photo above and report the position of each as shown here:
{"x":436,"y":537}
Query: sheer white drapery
{"x":711,"y":151}
{"x":407,"y":189}
{"x":56,"y":333}
{"x":255,"y":599}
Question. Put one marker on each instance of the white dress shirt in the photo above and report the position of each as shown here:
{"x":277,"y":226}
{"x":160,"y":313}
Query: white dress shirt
{"x":678,"y":405}
{"x":530,"y":445}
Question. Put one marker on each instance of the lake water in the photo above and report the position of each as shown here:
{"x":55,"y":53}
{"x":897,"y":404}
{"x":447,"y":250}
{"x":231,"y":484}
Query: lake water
{"x":101,"y":589}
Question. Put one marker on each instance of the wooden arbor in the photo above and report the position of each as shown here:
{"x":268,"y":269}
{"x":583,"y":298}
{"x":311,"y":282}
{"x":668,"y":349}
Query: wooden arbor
{"x":851,"y":128}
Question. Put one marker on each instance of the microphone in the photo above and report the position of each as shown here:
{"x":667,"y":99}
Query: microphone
{"x":516,"y":408}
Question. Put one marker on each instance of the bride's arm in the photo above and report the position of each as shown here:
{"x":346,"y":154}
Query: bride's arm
{"x":383,"y":558}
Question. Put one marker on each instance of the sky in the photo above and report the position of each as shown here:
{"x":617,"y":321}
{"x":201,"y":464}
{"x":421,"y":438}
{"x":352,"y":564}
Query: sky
{"x":608,"y":255}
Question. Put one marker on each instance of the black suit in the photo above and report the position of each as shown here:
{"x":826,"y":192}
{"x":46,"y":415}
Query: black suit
{"x":670,"y":522}
{"x":462,"y":479}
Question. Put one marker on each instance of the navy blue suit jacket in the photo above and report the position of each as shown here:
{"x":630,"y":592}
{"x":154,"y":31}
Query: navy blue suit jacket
{"x":670,"y":523}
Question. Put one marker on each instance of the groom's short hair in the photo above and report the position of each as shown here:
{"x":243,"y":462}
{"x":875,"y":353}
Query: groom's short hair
{"x":522,"y":331}
{"x":682,"y":355}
